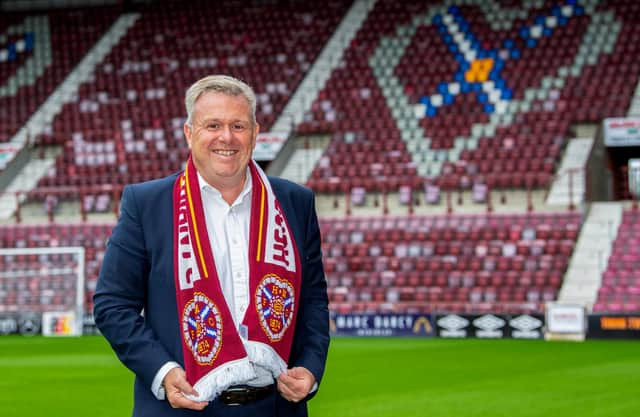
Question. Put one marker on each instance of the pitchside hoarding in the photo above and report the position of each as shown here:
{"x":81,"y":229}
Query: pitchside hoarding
{"x":60,"y":323}
{"x":382,"y":325}
{"x":490,"y":326}
{"x":614,"y":326}
{"x":522,"y":326}
{"x":8,"y":325}
{"x":26,"y":324}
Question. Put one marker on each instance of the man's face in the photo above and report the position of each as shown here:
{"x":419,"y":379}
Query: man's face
{"x":221,"y":138}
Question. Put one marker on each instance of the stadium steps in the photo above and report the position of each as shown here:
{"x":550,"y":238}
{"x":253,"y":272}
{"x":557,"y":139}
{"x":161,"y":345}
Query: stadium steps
{"x":317,"y":76}
{"x":307,"y":152}
{"x":591,"y":254}
{"x":26,"y":179}
{"x":571,"y":169}
{"x":301,"y":164}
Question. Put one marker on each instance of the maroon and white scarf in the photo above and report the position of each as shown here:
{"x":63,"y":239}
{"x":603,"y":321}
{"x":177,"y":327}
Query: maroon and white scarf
{"x":216,"y":354}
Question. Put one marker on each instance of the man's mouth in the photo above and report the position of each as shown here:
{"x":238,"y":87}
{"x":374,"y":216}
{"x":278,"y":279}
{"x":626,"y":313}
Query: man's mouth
{"x":224,"y":152}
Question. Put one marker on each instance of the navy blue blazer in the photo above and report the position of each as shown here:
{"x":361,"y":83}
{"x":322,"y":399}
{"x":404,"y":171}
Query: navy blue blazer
{"x":138,"y":274}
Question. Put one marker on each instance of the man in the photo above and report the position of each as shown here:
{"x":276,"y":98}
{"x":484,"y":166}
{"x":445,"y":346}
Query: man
{"x":212,"y":289}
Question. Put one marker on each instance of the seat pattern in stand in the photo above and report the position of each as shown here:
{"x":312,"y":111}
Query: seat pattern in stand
{"x":39,"y":290}
{"x":480,"y":94}
{"x":462,"y":263}
{"x":53,"y":44}
{"x":127,"y":123}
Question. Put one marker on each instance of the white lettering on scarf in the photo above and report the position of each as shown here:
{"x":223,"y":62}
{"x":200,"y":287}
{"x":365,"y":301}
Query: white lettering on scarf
{"x":187,"y":269}
{"x":279,"y":250}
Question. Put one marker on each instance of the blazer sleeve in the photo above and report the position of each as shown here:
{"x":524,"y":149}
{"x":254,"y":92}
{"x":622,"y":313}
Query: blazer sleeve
{"x":120,"y":295}
{"x":312,"y":328}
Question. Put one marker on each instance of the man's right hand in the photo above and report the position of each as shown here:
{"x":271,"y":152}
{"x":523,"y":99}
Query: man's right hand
{"x":176,"y":387}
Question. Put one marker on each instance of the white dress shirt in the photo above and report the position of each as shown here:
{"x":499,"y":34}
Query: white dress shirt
{"x":228,"y":229}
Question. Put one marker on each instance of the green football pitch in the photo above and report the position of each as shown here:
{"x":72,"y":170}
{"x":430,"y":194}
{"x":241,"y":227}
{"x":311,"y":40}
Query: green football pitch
{"x":365,"y":377}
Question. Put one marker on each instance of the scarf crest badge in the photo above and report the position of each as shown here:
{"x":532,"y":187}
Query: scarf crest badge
{"x":201,"y":328}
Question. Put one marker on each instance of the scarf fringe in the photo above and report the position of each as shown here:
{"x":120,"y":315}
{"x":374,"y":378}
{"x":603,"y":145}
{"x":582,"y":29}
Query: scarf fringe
{"x":222,"y":377}
{"x":266,"y":357}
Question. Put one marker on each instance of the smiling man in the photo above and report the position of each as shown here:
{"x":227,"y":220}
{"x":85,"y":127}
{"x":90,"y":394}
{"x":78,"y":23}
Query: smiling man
{"x":212,"y":289}
{"x":221,"y":132}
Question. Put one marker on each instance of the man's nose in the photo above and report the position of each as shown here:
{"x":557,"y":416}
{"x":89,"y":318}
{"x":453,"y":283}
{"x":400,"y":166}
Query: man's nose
{"x":226,"y":133}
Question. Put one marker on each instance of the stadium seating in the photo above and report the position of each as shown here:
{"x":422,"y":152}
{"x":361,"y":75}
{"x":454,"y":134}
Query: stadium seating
{"x":127,"y":123}
{"x":406,"y":110}
{"x":32,"y":295}
{"x":54,"y":43}
{"x":620,"y":290}
{"x":461,"y":263}
{"x":464,"y":263}
{"x":565,"y":75}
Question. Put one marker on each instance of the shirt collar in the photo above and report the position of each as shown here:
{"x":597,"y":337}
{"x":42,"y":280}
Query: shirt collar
{"x":246,"y":190}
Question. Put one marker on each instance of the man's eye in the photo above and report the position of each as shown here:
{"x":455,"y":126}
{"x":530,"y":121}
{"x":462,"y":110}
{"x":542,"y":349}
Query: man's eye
{"x":213,"y":126}
{"x":238,"y":127}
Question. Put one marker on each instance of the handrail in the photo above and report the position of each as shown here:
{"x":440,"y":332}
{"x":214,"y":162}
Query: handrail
{"x":380,"y":199}
{"x":53,"y":195}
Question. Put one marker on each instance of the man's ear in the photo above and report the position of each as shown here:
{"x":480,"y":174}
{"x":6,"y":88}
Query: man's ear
{"x":186,"y":128}
{"x":256,"y":130}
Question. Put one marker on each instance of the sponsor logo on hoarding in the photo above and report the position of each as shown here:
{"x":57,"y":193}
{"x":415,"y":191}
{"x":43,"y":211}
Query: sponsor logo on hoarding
{"x":525,"y":327}
{"x":489,"y":326}
{"x":614,"y":326}
{"x":29,"y":325}
{"x":60,"y":323}
{"x":453,"y":326}
{"x":352,"y":322}
{"x":8,"y":325}
{"x":565,"y":318}
{"x":422,"y":322}
{"x":381,"y":325}
{"x":620,"y":323}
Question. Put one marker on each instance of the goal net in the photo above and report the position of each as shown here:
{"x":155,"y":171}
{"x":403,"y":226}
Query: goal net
{"x":46,"y":283}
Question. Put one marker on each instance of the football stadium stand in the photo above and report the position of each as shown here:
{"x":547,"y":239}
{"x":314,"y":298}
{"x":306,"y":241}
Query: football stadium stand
{"x":37,"y":53}
{"x":620,"y":290}
{"x":457,"y":149}
{"x":463,"y":263}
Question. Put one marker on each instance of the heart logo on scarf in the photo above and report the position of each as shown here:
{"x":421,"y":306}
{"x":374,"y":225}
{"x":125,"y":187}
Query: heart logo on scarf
{"x":275,"y":304}
{"x":202,"y":328}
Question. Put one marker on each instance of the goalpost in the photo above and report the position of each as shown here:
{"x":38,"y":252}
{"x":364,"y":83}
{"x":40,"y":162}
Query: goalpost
{"x":47,"y":283}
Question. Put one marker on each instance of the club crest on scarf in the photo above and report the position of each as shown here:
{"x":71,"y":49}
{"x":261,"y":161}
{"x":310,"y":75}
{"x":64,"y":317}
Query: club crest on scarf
{"x":275,"y":303}
{"x":202,"y":328}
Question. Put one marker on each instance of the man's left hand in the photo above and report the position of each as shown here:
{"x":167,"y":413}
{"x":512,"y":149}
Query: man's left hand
{"x":295,"y":383}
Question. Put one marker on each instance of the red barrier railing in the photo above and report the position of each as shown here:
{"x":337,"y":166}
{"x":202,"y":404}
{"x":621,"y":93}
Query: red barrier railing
{"x":93,"y":199}
{"x":51,"y":197}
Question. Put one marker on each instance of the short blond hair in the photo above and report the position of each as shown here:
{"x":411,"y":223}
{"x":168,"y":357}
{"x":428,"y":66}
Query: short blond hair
{"x":224,"y":84}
